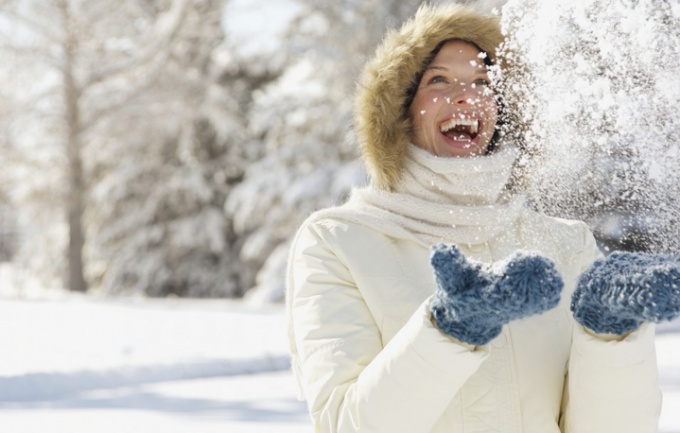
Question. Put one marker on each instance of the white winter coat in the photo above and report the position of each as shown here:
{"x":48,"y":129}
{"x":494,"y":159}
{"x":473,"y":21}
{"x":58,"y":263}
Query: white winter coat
{"x":369,"y":358}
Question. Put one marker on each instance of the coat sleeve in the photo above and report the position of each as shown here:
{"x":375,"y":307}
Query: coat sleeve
{"x":612,"y":384}
{"x":351,"y":382}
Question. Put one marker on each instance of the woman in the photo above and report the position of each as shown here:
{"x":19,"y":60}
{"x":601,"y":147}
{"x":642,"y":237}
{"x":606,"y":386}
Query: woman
{"x":368,"y":352}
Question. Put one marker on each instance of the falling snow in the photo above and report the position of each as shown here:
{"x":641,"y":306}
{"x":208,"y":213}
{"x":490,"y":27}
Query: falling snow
{"x":596,"y":90}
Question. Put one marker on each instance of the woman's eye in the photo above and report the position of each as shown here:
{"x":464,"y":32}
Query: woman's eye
{"x":482,"y":82}
{"x":436,"y":79}
{"x":483,"y":86}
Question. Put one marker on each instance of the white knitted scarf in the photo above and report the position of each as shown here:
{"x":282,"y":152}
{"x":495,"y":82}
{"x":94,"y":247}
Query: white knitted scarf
{"x":459,"y":200}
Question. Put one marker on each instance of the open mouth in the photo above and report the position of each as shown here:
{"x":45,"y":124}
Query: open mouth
{"x":460,"y":129}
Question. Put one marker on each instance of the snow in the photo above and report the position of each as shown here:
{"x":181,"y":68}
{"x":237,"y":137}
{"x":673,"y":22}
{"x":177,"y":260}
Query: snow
{"x":82,"y":364}
{"x":256,"y":30}
{"x":242,"y":404}
{"x":598,"y":106}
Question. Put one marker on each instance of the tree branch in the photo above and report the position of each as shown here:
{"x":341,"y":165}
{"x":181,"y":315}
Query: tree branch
{"x":148,"y":79}
{"x":39,"y":29}
{"x":166,"y":27}
{"x":33,"y":53}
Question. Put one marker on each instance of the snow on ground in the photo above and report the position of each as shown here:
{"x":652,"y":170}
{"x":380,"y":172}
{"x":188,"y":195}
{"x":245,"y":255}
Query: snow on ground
{"x":82,"y":364}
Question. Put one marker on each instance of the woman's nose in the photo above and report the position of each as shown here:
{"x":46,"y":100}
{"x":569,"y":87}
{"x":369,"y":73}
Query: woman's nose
{"x":462,"y":94}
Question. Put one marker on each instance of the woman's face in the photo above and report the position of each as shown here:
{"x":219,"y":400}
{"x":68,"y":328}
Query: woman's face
{"x":454,"y":111}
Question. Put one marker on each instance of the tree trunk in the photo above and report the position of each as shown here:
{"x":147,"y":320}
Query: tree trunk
{"x":76,"y":188}
{"x":76,"y":279}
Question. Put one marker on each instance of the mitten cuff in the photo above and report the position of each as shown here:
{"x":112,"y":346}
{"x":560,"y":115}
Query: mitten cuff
{"x":433,"y":344}
{"x":470,"y":347}
{"x":630,"y":350}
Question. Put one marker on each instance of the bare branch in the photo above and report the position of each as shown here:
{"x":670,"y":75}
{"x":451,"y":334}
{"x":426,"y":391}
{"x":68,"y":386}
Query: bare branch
{"x":34,"y":52}
{"x":130,"y":93}
{"x":41,"y":30}
{"x":101,"y":9}
{"x":166,"y":27}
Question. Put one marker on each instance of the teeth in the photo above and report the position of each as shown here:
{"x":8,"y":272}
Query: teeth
{"x":473,"y":124}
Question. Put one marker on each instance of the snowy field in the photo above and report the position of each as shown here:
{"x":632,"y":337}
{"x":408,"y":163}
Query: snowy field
{"x":76,"y":364}
{"x":84,"y":365}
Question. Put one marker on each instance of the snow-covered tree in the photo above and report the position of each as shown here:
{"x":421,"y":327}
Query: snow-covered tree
{"x":112,"y":141}
{"x":304,"y":119}
{"x":161,"y":226}
{"x":597,"y":83}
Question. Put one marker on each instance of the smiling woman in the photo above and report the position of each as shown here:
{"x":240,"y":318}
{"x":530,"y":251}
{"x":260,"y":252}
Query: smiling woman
{"x":435,"y":299}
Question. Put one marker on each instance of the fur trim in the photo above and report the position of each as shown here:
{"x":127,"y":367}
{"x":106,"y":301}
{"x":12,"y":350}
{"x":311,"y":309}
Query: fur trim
{"x":383,"y":129}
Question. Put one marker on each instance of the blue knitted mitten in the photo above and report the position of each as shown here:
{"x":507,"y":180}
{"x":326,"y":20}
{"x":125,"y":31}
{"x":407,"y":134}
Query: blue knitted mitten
{"x":473,"y":301}
{"x":616,"y":294}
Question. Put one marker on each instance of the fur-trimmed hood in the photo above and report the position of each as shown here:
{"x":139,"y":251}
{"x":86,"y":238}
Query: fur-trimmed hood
{"x":383,"y":128}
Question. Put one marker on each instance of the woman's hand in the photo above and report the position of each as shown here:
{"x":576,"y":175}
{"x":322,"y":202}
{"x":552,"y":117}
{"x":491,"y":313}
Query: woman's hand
{"x":616,"y":294}
{"x":473,"y":301}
